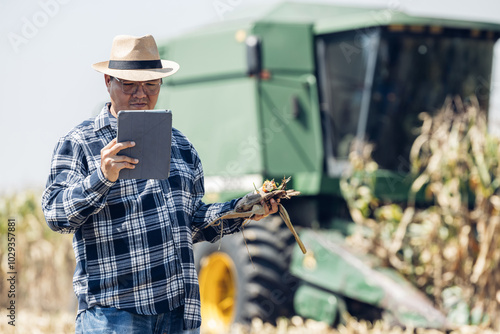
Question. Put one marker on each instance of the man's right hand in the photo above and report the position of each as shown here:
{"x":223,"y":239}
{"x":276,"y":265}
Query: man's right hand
{"x":111,"y":163}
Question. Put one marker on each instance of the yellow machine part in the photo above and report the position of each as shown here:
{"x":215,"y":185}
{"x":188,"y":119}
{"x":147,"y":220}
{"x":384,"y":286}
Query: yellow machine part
{"x":218,"y":292}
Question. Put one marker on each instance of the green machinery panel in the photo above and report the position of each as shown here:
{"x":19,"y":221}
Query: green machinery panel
{"x":332,"y":266}
{"x":220,"y":121}
{"x":320,"y":305}
{"x":286,"y":47}
{"x":291,"y":125}
{"x":211,"y":54}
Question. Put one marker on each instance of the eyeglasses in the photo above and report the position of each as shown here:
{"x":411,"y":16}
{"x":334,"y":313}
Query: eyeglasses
{"x":131,"y":87}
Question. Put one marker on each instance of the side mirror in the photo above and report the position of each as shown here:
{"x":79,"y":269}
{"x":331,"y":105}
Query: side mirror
{"x":254,"y":61}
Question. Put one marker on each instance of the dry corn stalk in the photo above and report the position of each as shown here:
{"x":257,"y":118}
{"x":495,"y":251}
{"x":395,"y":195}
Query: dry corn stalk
{"x":251,"y":205}
{"x":451,"y":247}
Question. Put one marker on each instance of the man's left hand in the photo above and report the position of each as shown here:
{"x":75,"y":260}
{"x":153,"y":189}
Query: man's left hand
{"x":268,"y":211}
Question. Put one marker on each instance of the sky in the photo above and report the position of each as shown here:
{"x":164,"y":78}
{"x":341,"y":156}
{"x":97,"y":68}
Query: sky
{"x":48,"y":46}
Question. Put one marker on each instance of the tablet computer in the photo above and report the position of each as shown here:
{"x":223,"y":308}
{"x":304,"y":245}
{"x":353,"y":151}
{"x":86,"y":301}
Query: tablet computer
{"x":151,"y":130}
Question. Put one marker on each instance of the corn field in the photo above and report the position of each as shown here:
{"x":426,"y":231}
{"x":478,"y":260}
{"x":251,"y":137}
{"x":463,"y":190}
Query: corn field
{"x":446,"y":238}
{"x":44,"y":263}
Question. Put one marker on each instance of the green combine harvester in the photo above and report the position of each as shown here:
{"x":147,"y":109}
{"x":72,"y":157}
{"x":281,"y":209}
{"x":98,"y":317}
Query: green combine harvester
{"x":285,"y":94}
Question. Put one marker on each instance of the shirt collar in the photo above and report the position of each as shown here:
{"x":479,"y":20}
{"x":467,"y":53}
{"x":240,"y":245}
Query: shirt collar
{"x":102,"y":120}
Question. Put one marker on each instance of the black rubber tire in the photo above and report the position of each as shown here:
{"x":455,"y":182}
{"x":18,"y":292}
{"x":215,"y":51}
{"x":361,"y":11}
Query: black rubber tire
{"x":266,"y":291}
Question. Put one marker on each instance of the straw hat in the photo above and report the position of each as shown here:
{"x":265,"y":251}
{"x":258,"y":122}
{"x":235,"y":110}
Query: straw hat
{"x":136,"y":59}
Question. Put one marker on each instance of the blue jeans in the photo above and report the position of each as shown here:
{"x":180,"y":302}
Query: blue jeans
{"x":104,"y":320}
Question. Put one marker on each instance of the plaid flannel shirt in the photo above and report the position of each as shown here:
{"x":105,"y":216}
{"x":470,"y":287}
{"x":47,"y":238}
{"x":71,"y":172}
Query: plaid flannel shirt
{"x":132,"y":238}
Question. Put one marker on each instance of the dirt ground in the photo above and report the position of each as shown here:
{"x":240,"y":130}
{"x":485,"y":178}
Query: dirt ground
{"x":36,"y":322}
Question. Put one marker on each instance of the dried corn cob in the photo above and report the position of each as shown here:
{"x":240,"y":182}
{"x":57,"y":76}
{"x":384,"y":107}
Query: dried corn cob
{"x":250,"y":205}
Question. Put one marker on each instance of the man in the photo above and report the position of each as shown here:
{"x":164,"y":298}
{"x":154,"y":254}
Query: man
{"x":133,"y":239}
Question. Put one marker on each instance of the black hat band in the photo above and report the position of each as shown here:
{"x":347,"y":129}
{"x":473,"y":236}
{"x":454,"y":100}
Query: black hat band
{"x":134,"y":64}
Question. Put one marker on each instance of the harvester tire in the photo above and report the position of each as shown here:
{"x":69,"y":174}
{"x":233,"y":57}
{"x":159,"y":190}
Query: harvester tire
{"x":262,"y":289}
